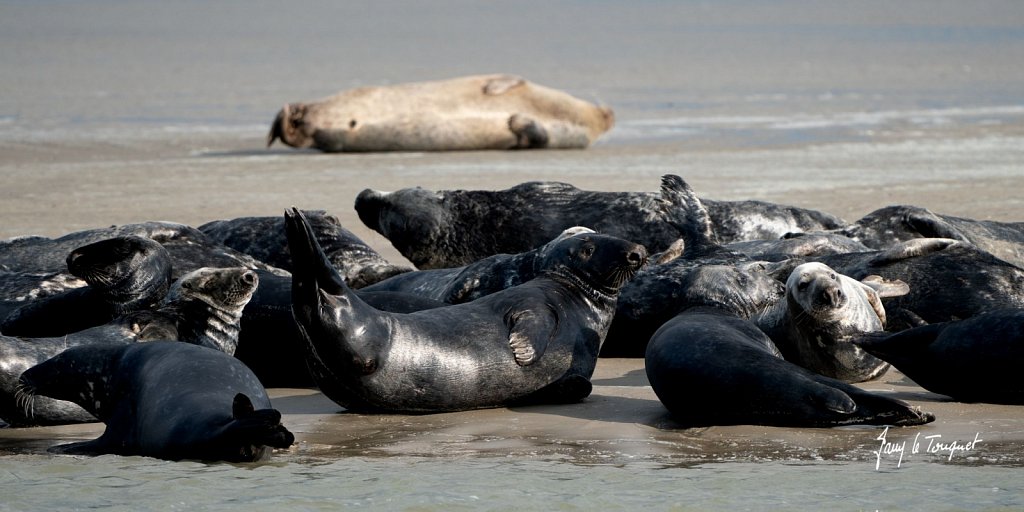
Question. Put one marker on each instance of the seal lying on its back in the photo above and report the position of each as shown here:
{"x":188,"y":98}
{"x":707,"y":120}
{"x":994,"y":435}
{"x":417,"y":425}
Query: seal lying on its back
{"x":537,"y":342}
{"x":204,"y":307}
{"x":974,"y":360}
{"x":263,"y":238}
{"x":709,"y":367}
{"x":452,"y":228}
{"x":474,"y":112}
{"x":891,"y":225}
{"x":123,"y":274}
{"x":163,"y":399}
{"x":822,"y":310}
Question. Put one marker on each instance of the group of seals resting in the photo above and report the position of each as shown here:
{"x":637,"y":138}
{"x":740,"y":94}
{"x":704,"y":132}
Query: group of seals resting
{"x":466,"y":113}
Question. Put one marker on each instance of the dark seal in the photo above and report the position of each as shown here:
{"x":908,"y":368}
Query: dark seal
{"x":163,"y":399}
{"x":972,"y":360}
{"x":204,"y":307}
{"x":263,"y":238}
{"x":711,"y":366}
{"x":123,"y":274}
{"x":452,"y":228}
{"x":891,"y":225}
{"x":537,"y":342}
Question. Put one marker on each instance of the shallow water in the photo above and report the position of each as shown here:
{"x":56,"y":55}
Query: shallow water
{"x":117,"y":111}
{"x":411,"y":483}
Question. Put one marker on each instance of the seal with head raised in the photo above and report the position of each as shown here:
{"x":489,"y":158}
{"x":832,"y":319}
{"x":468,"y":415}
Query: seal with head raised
{"x":537,"y":342}
{"x":466,"y":113}
{"x":124,"y":274}
{"x":822,"y":311}
{"x":163,"y":399}
{"x":710,"y":365}
{"x":973,"y":360}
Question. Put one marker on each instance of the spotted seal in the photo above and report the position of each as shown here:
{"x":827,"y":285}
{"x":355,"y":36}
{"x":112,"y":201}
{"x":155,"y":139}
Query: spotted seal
{"x":451,"y":228}
{"x":822,"y":311}
{"x":163,"y":399}
{"x":886,"y":227}
{"x":536,"y":342}
{"x":973,"y":360}
{"x":932,"y":268}
{"x":204,"y":307}
{"x":263,"y":238}
{"x":711,"y":366}
{"x":530,"y":215}
{"x":466,"y":113}
{"x":124,"y":274}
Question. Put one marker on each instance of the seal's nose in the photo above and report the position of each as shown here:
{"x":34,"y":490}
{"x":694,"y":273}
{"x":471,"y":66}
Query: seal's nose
{"x":637,"y":256}
{"x":833,"y":296}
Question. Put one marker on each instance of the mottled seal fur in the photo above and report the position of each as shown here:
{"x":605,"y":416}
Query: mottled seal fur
{"x":483,"y":277}
{"x":798,"y":245}
{"x":124,"y":274}
{"x":203,"y":308}
{"x":891,"y":225}
{"x":189,"y":249}
{"x":452,"y":228}
{"x":711,"y":367}
{"x":163,"y":399}
{"x":822,"y":311}
{"x":263,"y":238}
{"x":948,"y":280}
{"x":466,"y":113}
{"x":974,"y":360}
{"x":537,"y":342}
{"x":656,"y":295}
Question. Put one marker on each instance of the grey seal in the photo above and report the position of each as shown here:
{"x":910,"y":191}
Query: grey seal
{"x":123,"y":274}
{"x":886,"y":227}
{"x":973,"y":360}
{"x":823,"y":310}
{"x":711,"y":367}
{"x":451,"y":228}
{"x":203,"y":308}
{"x":163,"y":399}
{"x":263,"y":238}
{"x":465,"y":113}
{"x":537,"y":342}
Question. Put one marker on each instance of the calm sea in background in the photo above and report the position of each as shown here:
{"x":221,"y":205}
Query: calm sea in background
{"x":825,"y":83}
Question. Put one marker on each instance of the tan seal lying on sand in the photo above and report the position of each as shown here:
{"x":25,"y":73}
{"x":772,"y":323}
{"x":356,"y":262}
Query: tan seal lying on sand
{"x":468,"y":113}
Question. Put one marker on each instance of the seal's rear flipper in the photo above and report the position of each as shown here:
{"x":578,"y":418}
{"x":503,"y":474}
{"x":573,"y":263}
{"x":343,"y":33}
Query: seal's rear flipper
{"x":257,"y":428}
{"x":877,"y":409}
{"x":90,"y":448}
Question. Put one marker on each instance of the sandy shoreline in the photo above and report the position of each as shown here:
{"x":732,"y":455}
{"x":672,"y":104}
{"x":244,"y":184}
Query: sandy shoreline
{"x":53,"y":190}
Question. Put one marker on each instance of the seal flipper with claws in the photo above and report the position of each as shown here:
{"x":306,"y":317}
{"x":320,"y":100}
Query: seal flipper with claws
{"x":536,"y":342}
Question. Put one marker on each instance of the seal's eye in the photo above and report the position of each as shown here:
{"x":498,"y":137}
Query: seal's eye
{"x":832,"y":276}
{"x":803,"y":285}
{"x":587,"y":251}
